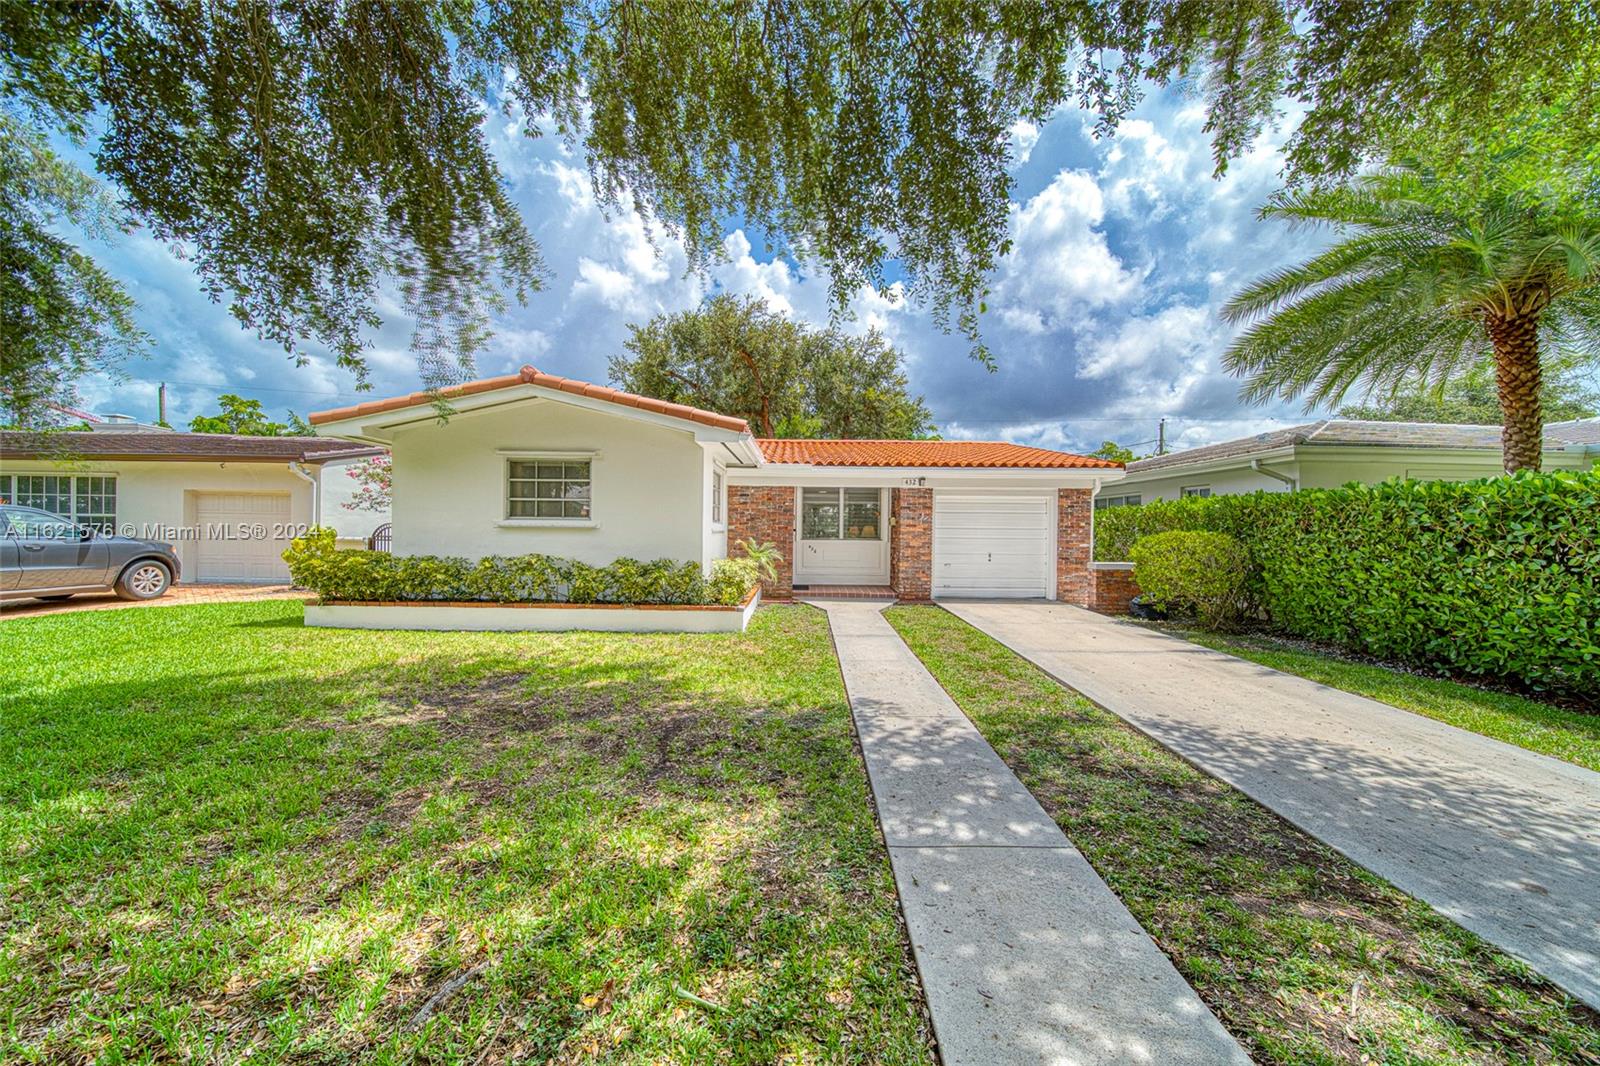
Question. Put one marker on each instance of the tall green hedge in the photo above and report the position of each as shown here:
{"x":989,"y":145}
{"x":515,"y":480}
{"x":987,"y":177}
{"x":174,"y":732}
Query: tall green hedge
{"x":1499,"y":578}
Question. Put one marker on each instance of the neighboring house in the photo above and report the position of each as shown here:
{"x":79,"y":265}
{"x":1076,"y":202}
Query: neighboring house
{"x":228,"y":504}
{"x":532,"y":462}
{"x":1336,"y":451}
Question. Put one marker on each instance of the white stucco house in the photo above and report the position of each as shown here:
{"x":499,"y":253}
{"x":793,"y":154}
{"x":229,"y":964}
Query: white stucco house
{"x":228,"y":504}
{"x":1337,"y":451}
{"x":535,"y":462}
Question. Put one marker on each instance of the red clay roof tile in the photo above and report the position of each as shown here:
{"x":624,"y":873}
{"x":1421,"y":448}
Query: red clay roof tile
{"x":926,"y":453}
{"x":529,"y":375}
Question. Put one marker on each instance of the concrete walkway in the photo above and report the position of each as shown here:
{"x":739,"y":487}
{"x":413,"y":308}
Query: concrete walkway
{"x":1504,"y":841}
{"x":1026,"y":956}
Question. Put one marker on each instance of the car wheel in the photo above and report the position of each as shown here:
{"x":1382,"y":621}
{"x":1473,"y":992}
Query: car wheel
{"x":144,"y":581}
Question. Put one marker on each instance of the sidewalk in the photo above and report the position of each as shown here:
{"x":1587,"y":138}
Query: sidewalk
{"x":1025,"y":955}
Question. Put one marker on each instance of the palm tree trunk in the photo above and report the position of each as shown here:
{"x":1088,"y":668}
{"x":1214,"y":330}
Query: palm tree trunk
{"x":1517,"y":376}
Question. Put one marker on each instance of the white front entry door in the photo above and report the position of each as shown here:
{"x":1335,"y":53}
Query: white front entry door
{"x":242,"y":536}
{"x":842,"y":537}
{"x":993,"y":545}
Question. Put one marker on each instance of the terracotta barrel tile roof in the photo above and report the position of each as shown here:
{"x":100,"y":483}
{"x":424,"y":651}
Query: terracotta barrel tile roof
{"x":926,"y":453}
{"x":529,"y":375}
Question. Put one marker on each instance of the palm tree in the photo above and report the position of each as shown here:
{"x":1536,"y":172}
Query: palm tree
{"x":1423,"y":283}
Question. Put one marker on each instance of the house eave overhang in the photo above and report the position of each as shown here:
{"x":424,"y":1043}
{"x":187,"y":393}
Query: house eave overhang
{"x":380,"y":427}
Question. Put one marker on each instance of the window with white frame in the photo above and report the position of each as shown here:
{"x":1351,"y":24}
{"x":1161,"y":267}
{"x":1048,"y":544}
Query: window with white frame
{"x":716,"y":497}
{"x":841,"y":514}
{"x":552,"y":489}
{"x":1126,"y":500}
{"x":84,"y":499}
{"x":1195,"y":490}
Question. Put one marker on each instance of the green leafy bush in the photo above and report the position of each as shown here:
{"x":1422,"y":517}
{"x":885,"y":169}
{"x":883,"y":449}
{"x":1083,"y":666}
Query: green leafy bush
{"x":1184,"y":570}
{"x":335,"y":575}
{"x":1496,"y":577}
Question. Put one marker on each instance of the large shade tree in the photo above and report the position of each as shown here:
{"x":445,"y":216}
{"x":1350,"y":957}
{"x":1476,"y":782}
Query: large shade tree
{"x":307,"y":155}
{"x":787,"y":379}
{"x":1426,"y":279}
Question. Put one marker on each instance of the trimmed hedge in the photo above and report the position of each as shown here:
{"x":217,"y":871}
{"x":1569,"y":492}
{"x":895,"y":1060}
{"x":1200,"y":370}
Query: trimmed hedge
{"x":1194,"y":570}
{"x":315,"y":564}
{"x":1499,"y":578}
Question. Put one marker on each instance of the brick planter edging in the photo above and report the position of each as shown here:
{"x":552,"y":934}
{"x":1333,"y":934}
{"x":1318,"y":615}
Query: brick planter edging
{"x":1113,"y":587}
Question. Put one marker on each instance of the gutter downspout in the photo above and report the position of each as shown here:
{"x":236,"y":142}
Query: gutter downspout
{"x":300,"y":472}
{"x":1255,"y":464}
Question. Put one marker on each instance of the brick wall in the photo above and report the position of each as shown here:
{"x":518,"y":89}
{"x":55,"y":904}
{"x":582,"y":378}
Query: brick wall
{"x":911,"y":544}
{"x":765,"y":513}
{"x":1074,"y":513}
{"x":1113,"y":587}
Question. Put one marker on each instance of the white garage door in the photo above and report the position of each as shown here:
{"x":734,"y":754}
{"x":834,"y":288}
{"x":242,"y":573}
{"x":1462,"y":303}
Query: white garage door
{"x":240,"y":536}
{"x":992,"y":545}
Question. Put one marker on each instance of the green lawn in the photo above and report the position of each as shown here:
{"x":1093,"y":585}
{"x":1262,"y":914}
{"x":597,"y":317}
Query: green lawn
{"x":1564,"y":734}
{"x":222,"y":833}
{"x":1304,"y":956}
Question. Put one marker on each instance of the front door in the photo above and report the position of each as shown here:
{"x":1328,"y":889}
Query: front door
{"x":843,"y":539}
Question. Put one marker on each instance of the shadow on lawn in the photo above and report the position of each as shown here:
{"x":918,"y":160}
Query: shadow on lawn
{"x":233,"y":859}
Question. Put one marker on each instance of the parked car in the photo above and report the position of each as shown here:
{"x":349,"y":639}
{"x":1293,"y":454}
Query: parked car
{"x":44,"y":556}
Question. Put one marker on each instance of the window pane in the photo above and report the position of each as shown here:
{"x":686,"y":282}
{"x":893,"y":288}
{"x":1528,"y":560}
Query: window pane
{"x":548,"y":508}
{"x":550,"y":470}
{"x":861,"y":514}
{"x":819,"y":514}
{"x":576,"y":490}
{"x":5,"y":488}
{"x":521,"y":509}
{"x":577,"y":471}
{"x":522,"y":471}
{"x":575,"y":509}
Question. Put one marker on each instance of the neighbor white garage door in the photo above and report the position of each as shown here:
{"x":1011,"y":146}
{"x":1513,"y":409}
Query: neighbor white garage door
{"x":993,"y":545}
{"x":237,"y":536}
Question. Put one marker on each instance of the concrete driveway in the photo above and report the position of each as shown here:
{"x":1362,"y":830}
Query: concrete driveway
{"x":177,"y":596}
{"x":1502,"y":840}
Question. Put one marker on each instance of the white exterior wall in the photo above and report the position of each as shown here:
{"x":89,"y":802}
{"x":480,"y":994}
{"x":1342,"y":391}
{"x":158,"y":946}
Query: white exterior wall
{"x":649,"y":495}
{"x":156,"y":500}
{"x":1222,"y":482}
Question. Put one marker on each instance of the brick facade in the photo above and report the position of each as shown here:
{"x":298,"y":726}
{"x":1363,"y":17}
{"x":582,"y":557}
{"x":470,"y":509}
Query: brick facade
{"x":1113,"y":587}
{"x":911,"y":544}
{"x":1074,"y":548}
{"x":765,"y":513}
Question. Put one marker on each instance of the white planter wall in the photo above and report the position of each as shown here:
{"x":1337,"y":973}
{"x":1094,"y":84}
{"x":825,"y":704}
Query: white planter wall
{"x":538,"y":618}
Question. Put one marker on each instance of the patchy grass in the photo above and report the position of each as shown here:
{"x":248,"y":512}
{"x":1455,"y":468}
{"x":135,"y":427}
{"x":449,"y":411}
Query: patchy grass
{"x":1306,"y":958}
{"x":225,"y":835}
{"x":1571,"y":735}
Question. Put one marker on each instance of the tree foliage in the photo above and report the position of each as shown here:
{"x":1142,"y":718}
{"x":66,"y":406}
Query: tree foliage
{"x":304,"y":155}
{"x":1113,"y":451}
{"x":1428,"y":279}
{"x":374,"y":478}
{"x":60,"y":314}
{"x":248,"y":418}
{"x":1471,"y":399}
{"x":738,"y":356}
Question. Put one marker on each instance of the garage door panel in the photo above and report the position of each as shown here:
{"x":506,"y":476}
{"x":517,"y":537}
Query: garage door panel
{"x":237,"y":541}
{"x":993,"y":545}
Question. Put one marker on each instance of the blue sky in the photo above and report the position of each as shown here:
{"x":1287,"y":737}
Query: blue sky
{"x":1103,"y":318}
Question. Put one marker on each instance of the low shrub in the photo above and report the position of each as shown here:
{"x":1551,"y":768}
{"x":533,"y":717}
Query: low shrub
{"x":1194,"y":571}
{"x":316,"y":564}
{"x":1496,"y":578}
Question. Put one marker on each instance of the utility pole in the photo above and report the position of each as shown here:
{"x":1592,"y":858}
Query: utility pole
{"x":161,"y":404}
{"x":1161,"y":437}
